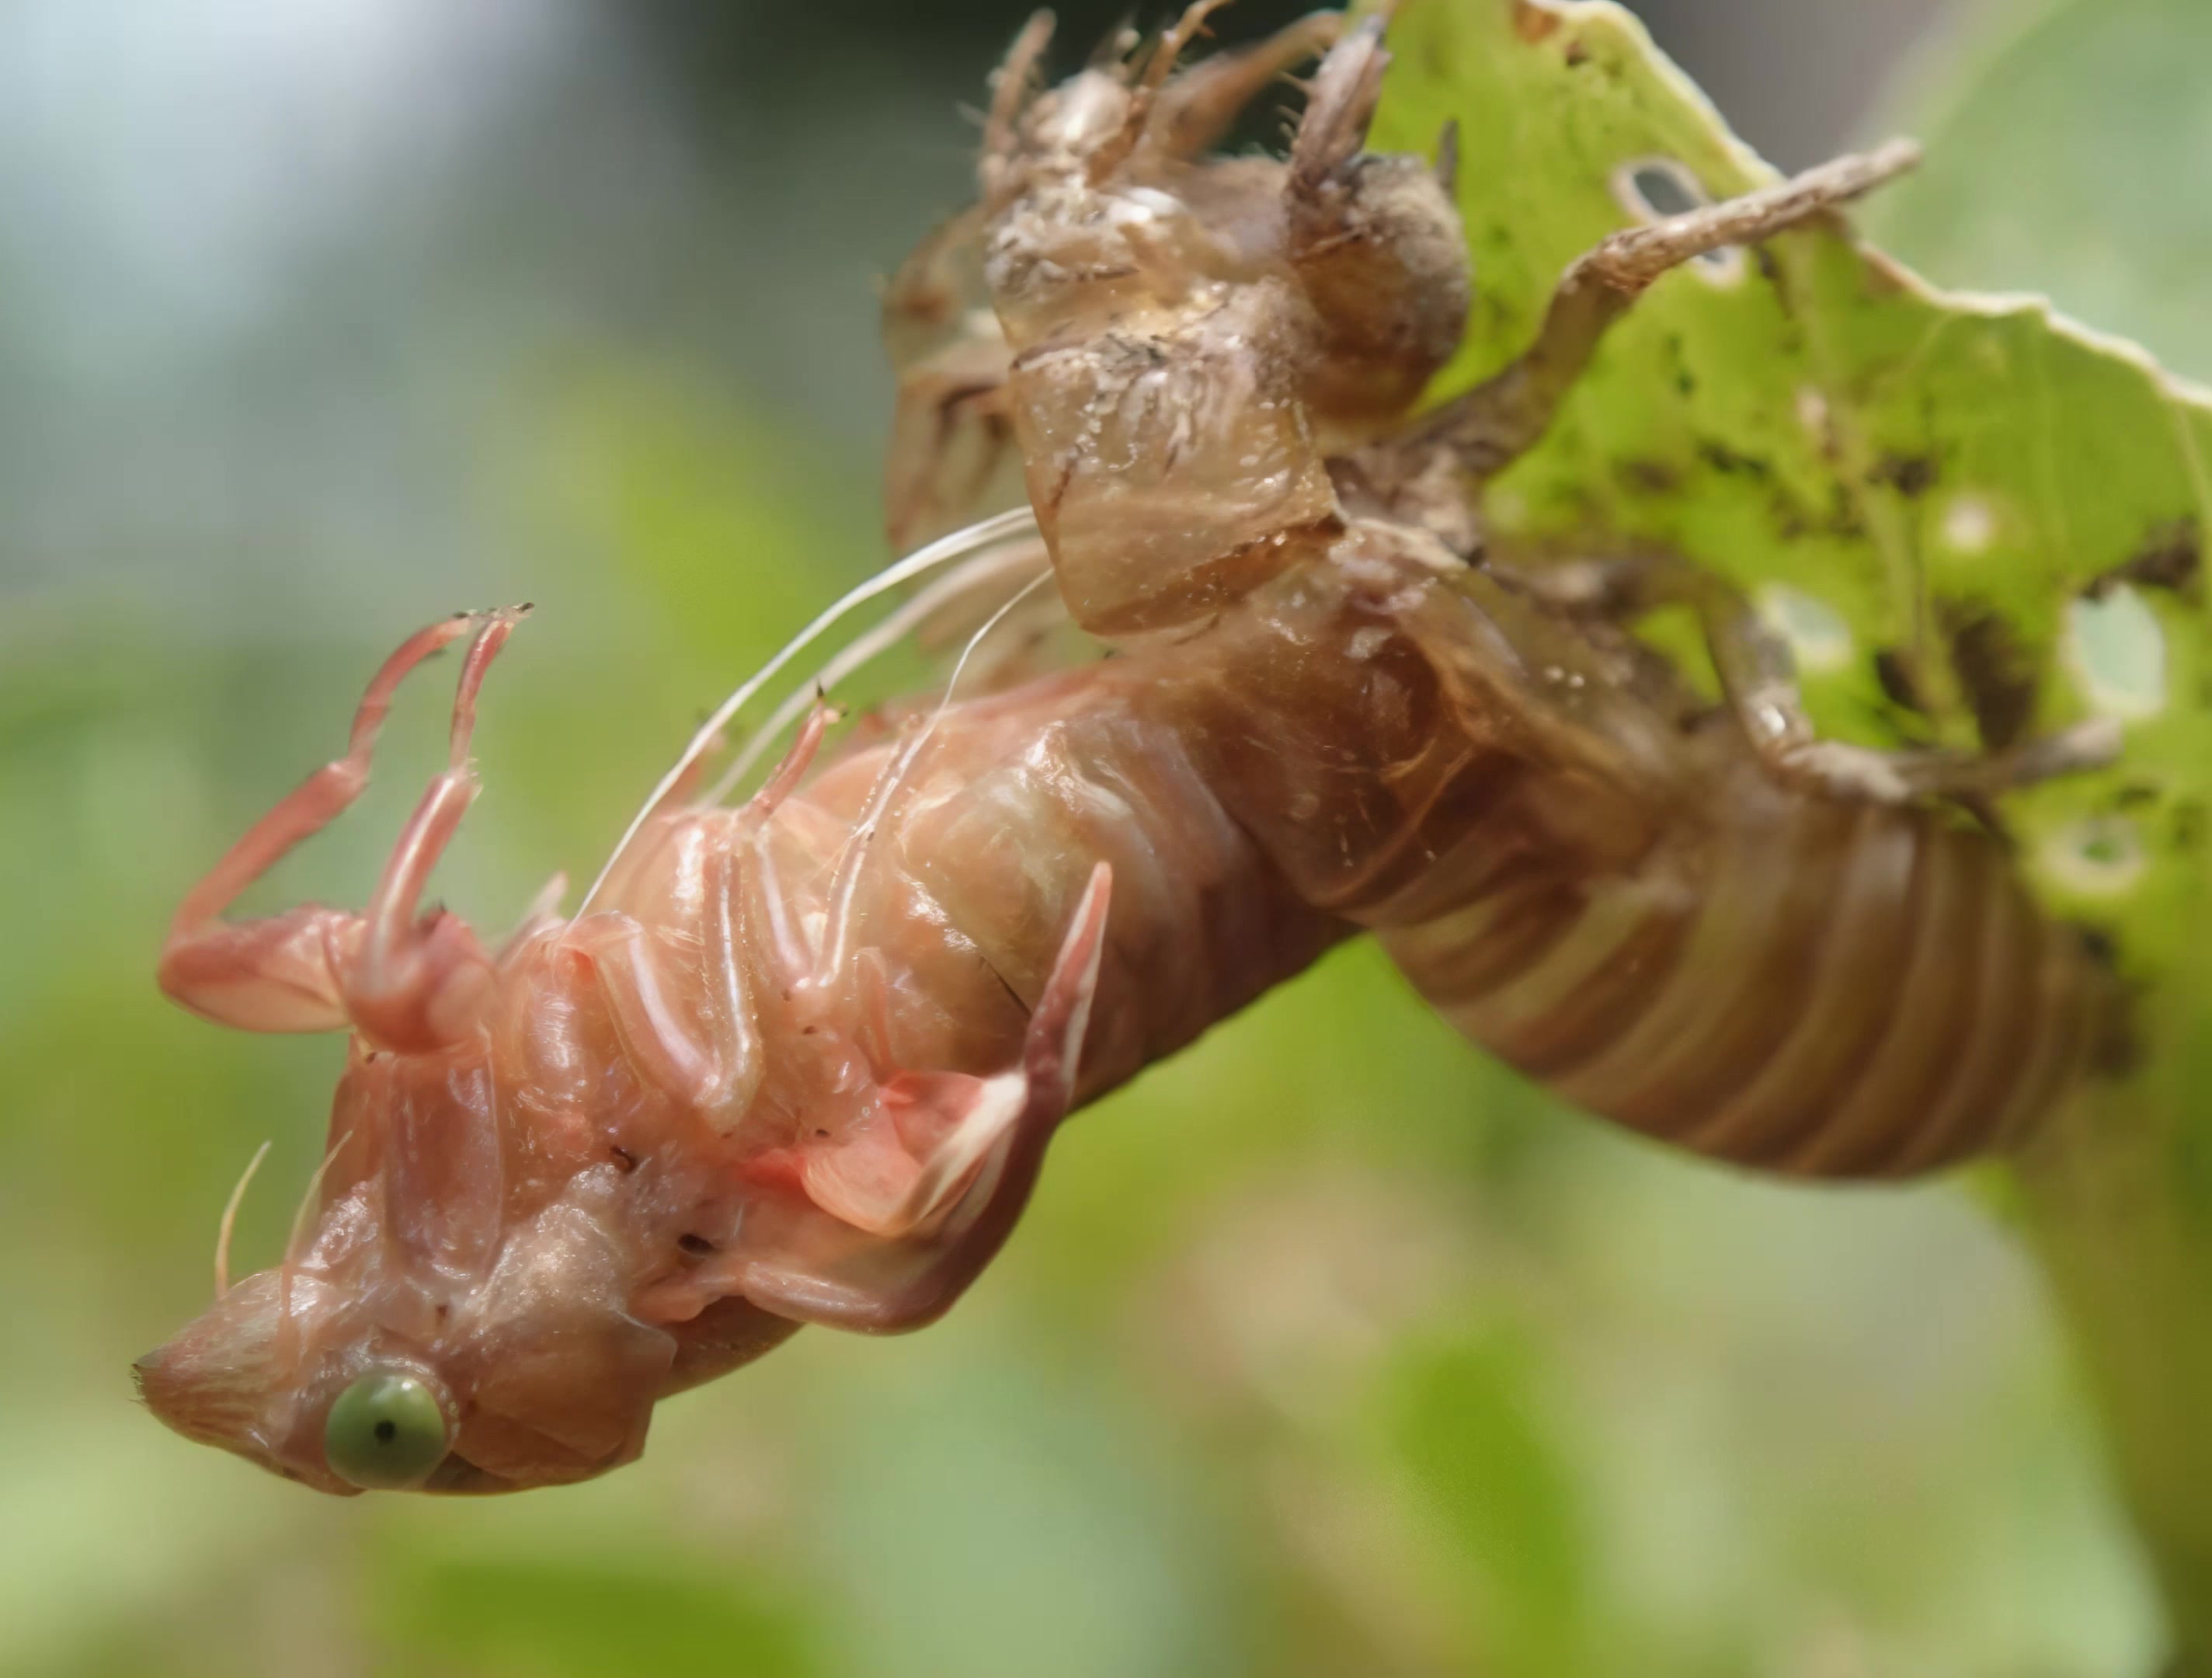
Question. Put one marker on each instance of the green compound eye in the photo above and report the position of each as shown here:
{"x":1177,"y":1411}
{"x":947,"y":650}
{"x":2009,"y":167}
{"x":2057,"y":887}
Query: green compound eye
{"x":386,"y":1432}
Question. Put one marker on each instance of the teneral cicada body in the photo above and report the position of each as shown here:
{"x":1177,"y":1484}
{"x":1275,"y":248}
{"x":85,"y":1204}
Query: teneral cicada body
{"x":798,"y":1059}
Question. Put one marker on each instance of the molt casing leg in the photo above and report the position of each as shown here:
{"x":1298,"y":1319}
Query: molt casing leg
{"x":1196,"y":109}
{"x":1498,"y":421}
{"x":1377,"y":246}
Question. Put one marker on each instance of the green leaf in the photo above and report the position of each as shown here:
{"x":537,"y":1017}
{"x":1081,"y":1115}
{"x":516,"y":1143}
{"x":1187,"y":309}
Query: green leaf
{"x":1918,"y":486}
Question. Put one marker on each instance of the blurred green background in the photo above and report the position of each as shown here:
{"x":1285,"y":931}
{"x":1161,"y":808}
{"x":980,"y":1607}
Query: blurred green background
{"x":1325,"y":1350}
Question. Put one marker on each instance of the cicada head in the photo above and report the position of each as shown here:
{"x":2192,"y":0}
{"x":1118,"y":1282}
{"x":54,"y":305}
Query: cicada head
{"x":453,"y":1313}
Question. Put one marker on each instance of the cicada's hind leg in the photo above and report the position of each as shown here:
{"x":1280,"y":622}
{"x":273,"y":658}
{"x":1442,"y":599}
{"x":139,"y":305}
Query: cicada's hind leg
{"x":1498,"y":421}
{"x":282,"y":972}
{"x":1758,"y":678}
{"x":951,"y":1216}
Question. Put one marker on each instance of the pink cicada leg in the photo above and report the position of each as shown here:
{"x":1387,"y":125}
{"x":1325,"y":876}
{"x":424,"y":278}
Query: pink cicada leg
{"x":282,"y":972}
{"x":714,"y":1070}
{"x":413,"y":980}
{"x":951,"y":1216}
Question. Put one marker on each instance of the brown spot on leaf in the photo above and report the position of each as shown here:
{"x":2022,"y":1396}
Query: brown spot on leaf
{"x":1723,"y":459}
{"x":1648,"y":478}
{"x":1893,"y":668}
{"x":1911,"y":475}
{"x":2171,"y":557}
{"x":2116,"y":1047}
{"x":1577,"y":53}
{"x":1997,"y":674}
{"x":2188,"y":824}
{"x":1844,"y":518}
{"x":1770,"y":270}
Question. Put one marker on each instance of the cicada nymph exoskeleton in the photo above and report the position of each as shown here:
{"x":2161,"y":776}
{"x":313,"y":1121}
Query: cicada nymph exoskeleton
{"x":796,"y":1059}
{"x":1715,"y":928}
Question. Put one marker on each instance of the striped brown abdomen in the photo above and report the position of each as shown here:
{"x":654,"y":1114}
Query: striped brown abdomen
{"x":1796,"y":982}
{"x":1620,"y":900}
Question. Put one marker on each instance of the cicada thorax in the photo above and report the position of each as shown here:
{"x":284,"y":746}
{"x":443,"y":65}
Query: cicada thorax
{"x":1187,"y":340}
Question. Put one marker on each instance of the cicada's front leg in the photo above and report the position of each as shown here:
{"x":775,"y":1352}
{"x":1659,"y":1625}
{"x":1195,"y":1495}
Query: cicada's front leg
{"x":1199,"y":108}
{"x":1377,"y":247}
{"x":1498,"y":422}
{"x":403,"y":982}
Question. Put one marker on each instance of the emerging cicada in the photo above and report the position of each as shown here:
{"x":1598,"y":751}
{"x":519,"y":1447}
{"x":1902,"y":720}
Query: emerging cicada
{"x":798,"y":1061}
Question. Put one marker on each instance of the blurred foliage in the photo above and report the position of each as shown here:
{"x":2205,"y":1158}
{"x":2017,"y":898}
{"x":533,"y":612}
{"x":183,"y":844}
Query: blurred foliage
{"x":1325,"y":1348}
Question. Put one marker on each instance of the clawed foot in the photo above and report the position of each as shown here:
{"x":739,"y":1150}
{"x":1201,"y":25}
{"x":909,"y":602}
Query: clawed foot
{"x":403,"y":981}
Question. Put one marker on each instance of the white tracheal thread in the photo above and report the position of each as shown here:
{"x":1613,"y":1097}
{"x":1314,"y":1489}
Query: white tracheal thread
{"x":295,"y":1251}
{"x":944,"y":549}
{"x":1012,"y":557}
{"x":229,"y":1223}
{"x":837,"y":925}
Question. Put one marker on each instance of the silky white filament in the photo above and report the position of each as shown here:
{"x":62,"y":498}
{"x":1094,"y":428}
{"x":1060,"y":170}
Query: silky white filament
{"x":1008,"y":558}
{"x":847,"y":878}
{"x":945,"y":549}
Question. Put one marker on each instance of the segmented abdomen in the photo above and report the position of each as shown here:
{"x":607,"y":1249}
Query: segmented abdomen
{"x":1808,"y":985}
